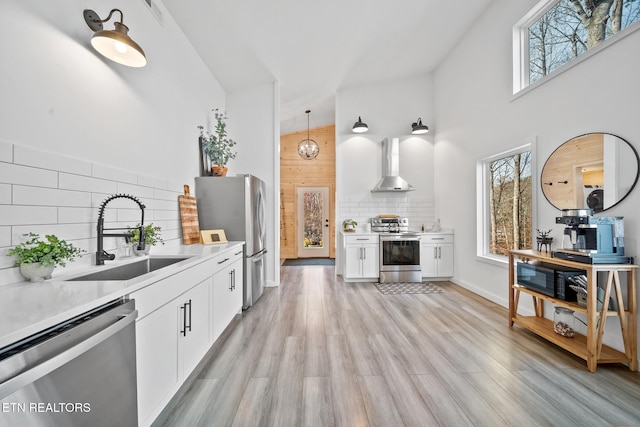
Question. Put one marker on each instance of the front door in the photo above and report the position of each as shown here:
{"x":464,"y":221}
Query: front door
{"x":313,"y":222}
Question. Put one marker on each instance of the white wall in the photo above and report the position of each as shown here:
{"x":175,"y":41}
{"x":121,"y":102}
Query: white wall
{"x":253,"y":116}
{"x":76,"y":127}
{"x":477,"y":116}
{"x":388,"y":109}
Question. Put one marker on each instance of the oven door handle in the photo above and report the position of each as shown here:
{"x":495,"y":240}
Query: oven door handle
{"x":400,"y":239}
{"x":49,"y":365}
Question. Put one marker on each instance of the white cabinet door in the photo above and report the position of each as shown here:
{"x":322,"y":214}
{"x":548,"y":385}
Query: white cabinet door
{"x":361,"y":256}
{"x":436,"y":255}
{"x":219,"y":302}
{"x":194,"y":309}
{"x":235,"y":297}
{"x":429,"y":260}
{"x":157,"y":360}
{"x":226,"y":294}
{"x":370,"y":261}
{"x":353,"y":261}
{"x":445,"y":260}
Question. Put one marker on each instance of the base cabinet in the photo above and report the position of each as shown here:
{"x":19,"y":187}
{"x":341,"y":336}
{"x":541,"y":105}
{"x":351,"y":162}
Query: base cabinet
{"x":195,"y":327}
{"x":226,"y":294}
{"x":362,"y":254}
{"x":157,"y":359}
{"x":436,"y":255}
{"x":179,"y":318}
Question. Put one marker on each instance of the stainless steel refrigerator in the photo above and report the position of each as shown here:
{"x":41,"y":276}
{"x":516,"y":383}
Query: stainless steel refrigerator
{"x":236,"y":204}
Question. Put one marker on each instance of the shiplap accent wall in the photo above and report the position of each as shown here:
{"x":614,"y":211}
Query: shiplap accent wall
{"x":47,"y":193}
{"x":419,"y":210}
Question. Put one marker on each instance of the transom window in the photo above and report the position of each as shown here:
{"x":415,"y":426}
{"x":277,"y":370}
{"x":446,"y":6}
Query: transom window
{"x":556,"y":32}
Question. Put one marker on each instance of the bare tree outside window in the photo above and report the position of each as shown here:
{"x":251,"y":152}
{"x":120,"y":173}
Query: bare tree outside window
{"x":571,"y":27}
{"x":510,"y":206}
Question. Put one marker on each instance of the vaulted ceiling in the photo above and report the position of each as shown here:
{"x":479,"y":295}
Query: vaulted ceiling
{"x":315,"y":47}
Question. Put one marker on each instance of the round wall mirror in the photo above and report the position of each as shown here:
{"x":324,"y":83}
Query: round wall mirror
{"x":595,"y":170}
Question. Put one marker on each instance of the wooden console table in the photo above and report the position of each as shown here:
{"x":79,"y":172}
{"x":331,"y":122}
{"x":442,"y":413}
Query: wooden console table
{"x":589,"y":347}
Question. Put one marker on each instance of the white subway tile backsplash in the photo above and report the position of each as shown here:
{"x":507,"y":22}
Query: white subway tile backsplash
{"x":161,"y":204}
{"x":5,"y":194}
{"x":6,"y":152}
{"x":51,"y":194}
{"x":46,"y":160}
{"x":21,"y":215}
{"x":136,"y":190}
{"x":419,"y":210}
{"x":5,"y":237}
{"x":166,"y":194}
{"x":68,"y":232}
{"x":178,"y":187}
{"x":130,"y":216}
{"x":86,"y":183}
{"x":37,"y":196}
{"x":25,"y":175}
{"x":152,"y":182}
{"x":167,"y":215}
{"x":114,"y":174}
{"x":67,"y":215}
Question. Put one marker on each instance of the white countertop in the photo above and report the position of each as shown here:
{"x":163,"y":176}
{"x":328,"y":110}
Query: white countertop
{"x":27,"y":308}
{"x":361,"y":232}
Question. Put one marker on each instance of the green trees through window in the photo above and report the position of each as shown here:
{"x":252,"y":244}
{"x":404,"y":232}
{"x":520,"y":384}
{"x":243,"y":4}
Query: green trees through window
{"x":510,"y":206}
{"x":571,"y":27}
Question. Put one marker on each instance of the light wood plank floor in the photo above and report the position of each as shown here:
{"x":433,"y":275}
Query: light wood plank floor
{"x":320,"y":352}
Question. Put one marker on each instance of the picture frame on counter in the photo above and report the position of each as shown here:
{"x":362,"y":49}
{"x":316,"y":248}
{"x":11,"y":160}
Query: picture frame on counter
{"x":212,"y":237}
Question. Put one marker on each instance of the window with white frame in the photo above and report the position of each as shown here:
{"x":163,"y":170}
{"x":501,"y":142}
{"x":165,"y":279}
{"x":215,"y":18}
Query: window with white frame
{"x":556,"y":32}
{"x":505,"y":202}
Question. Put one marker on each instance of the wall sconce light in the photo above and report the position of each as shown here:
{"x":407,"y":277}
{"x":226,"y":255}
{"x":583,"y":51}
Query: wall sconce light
{"x":114,"y":44}
{"x":359,"y":126}
{"x":418,"y":128}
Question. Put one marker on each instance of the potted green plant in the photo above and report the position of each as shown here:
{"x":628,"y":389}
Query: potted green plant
{"x":37,"y":258}
{"x":217,"y":146}
{"x":349,"y":225}
{"x":151,"y":237}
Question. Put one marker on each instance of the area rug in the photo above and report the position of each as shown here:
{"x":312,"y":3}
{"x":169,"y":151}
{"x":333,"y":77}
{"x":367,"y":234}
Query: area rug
{"x":308,"y":261}
{"x":408,"y":288}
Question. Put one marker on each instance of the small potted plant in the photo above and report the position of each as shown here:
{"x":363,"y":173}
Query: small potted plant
{"x":349,"y":225}
{"x":217,"y":146}
{"x":38,"y":258}
{"x":151,"y":237}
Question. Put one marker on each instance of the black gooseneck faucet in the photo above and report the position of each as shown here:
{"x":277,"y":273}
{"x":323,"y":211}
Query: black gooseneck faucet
{"x":101,"y":254}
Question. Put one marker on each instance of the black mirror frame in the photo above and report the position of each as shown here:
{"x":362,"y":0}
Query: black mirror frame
{"x":635,"y":152}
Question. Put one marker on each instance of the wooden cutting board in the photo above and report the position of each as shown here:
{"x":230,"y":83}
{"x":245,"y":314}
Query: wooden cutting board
{"x":189,"y":217}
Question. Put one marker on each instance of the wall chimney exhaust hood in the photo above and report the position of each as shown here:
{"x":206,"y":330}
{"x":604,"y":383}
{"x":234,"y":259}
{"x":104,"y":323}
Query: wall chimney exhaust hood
{"x":391,"y":180}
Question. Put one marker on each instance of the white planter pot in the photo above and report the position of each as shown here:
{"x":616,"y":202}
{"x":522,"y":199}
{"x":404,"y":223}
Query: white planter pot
{"x":146,"y":250}
{"x":36,"y":272}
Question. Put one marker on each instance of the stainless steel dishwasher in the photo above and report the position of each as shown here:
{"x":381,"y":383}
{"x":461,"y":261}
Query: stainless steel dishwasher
{"x":81,"y":372}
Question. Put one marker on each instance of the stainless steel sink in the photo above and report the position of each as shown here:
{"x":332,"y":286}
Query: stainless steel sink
{"x":131,"y":270}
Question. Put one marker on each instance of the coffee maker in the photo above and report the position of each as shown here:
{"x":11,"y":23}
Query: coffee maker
{"x":590,"y":239}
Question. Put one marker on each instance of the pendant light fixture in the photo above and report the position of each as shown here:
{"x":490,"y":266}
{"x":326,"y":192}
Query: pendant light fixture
{"x":418,"y":128}
{"x":308,"y":149}
{"x":359,"y":126}
{"x":114,"y":44}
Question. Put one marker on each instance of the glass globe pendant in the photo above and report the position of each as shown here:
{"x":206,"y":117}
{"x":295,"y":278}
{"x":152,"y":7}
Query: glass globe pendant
{"x":308,"y":149}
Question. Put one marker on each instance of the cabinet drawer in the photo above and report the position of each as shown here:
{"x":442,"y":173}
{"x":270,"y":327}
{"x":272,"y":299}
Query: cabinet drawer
{"x":437,"y":238}
{"x":157,"y":294}
{"x":359,"y":239}
{"x":227,"y":258}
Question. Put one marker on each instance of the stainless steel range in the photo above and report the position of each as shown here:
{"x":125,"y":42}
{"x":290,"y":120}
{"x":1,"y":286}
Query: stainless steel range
{"x":399,"y":250}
